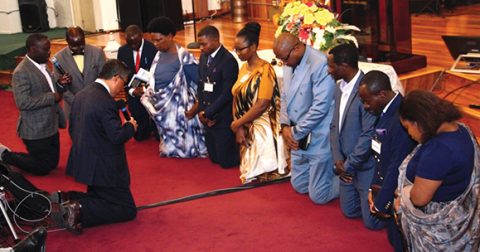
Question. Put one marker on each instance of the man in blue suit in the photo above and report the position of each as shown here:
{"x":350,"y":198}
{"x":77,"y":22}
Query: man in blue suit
{"x":138,"y":53}
{"x":351,"y":133}
{"x":306,"y":113}
{"x":97,"y":156}
{"x":390,"y":144}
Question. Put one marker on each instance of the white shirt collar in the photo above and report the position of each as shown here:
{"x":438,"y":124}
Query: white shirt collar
{"x":390,"y":103}
{"x":347,"y":87}
{"x":39,"y":66}
{"x":103,"y":83}
{"x":215,"y":52}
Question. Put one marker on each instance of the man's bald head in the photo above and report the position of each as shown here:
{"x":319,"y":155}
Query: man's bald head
{"x":76,"y":39}
{"x":288,"y":49}
{"x":284,"y":41}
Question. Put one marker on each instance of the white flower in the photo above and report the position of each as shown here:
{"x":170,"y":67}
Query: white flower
{"x":347,"y":28}
{"x":348,"y":37}
{"x":330,"y":29}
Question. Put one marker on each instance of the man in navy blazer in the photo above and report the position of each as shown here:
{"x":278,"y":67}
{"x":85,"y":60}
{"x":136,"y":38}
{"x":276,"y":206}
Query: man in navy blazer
{"x":351,"y":133}
{"x":218,"y":71}
{"x":390,"y":144}
{"x":138,"y":53}
{"x":97,"y":156}
{"x":306,"y":112}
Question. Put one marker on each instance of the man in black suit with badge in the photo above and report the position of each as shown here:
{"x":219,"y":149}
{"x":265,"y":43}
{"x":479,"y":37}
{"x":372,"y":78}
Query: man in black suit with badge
{"x":97,"y":156}
{"x":218,"y":71}
{"x":138,"y":53}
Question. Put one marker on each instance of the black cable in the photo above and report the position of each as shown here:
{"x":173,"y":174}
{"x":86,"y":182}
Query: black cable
{"x":213,"y":193}
{"x":461,"y":87}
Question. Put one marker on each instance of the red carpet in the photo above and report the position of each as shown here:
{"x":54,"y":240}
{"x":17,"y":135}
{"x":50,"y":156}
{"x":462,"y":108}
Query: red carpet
{"x":271,"y":218}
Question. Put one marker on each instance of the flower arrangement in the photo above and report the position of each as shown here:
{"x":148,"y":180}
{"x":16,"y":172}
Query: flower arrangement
{"x":315,"y":25}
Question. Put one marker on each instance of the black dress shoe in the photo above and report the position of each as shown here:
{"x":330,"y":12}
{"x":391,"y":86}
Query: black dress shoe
{"x":33,"y":242}
{"x":72,"y":218}
{"x":69,"y":216}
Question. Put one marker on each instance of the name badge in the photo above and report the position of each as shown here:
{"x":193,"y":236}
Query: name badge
{"x":376,"y":146}
{"x":208,"y":87}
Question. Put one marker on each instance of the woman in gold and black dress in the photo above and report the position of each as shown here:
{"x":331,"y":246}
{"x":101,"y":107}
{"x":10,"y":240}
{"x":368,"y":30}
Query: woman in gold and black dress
{"x":256,"y":112}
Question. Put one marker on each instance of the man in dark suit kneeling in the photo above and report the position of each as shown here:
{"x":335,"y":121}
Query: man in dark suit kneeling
{"x":97,"y":157}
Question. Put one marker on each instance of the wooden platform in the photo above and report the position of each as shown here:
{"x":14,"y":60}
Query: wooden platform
{"x":423,"y":78}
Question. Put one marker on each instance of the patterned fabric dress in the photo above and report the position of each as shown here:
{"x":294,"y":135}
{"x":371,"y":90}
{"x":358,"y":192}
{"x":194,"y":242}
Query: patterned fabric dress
{"x":442,"y":226}
{"x":179,"y":137}
{"x":266,"y":152}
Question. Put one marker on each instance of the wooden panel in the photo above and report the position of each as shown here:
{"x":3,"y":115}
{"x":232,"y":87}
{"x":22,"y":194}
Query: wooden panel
{"x":258,"y":9}
{"x":421,"y":79}
{"x":201,"y":8}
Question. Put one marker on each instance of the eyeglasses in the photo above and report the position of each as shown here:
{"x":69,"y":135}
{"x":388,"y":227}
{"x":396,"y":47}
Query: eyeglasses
{"x":240,"y":49}
{"x":123,"y":79}
{"x":289,"y":53}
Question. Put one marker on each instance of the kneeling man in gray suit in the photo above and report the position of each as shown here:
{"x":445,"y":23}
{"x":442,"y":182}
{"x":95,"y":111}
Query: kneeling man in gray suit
{"x":37,"y":95}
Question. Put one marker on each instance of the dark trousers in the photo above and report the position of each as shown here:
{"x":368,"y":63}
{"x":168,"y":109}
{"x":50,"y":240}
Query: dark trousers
{"x":104,"y":205}
{"x":145,"y":124}
{"x":222,"y":148}
{"x":42,"y":157}
{"x":394,"y":235}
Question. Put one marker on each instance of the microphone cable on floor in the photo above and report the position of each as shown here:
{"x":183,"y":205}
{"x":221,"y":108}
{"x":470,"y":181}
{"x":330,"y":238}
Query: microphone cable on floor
{"x":214,"y":193}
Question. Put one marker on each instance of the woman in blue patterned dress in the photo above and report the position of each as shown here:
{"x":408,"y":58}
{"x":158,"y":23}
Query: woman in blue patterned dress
{"x":171,"y":92}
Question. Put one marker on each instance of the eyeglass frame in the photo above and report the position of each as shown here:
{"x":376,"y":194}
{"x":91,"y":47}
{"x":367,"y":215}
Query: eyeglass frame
{"x":240,"y":49}
{"x":289,"y":53}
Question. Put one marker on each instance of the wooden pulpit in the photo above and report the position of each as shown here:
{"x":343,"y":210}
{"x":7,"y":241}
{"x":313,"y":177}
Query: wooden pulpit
{"x":385,"y":31}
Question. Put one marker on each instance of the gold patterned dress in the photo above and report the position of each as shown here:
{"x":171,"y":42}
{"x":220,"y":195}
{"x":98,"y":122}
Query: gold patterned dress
{"x":265,"y":156}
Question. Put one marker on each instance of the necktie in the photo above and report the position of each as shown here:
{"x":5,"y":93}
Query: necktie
{"x":209,"y":61}
{"x":137,"y":62}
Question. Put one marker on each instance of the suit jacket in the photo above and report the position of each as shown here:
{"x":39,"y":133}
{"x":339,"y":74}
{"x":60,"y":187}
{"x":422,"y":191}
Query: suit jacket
{"x":94,"y":59}
{"x":307,"y":101}
{"x":353,"y":142}
{"x":223,"y":72}
{"x":396,"y":145}
{"x":40,"y":116}
{"x":97,"y":156}
{"x":125,"y":54}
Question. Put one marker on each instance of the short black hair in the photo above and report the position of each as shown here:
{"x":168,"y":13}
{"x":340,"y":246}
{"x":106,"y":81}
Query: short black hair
{"x":251,"y":33}
{"x":209,"y":31}
{"x":133,"y":30}
{"x":33,"y":39}
{"x":376,"y":81}
{"x":345,"y":53}
{"x":162,"y":25}
{"x":114,"y":67}
{"x":71,"y":31}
